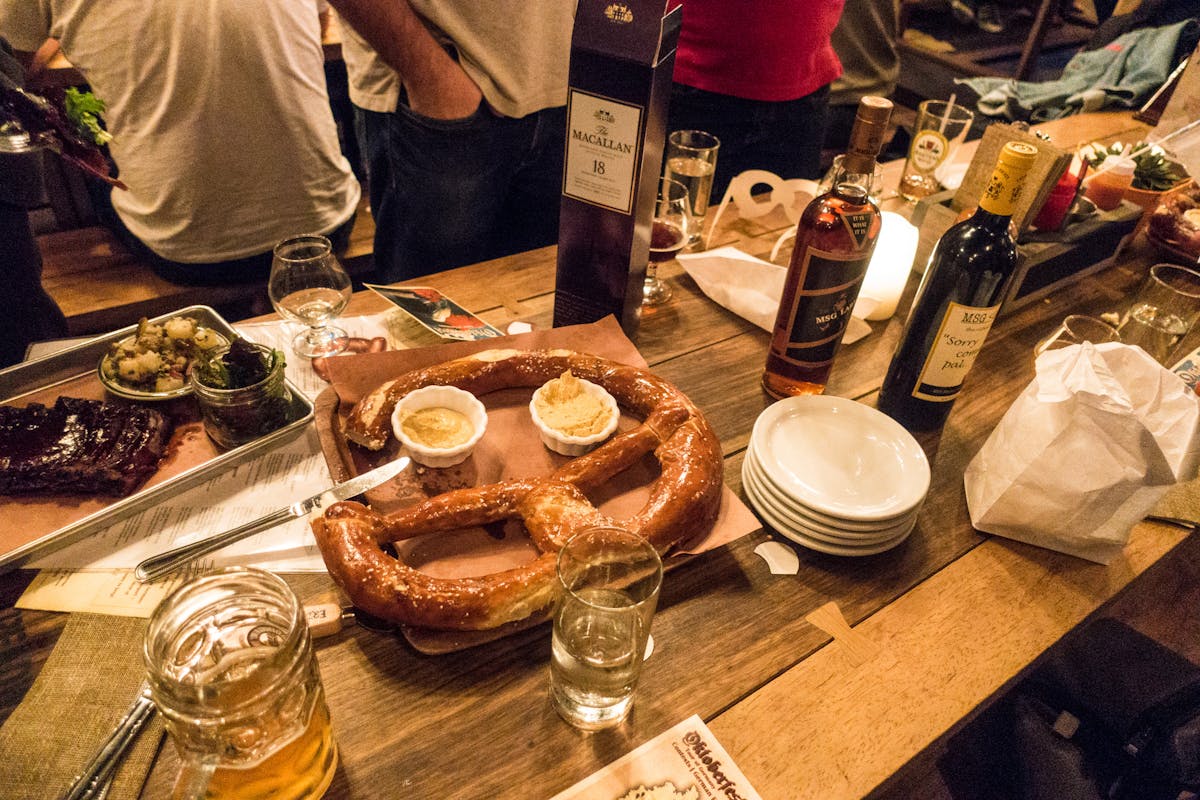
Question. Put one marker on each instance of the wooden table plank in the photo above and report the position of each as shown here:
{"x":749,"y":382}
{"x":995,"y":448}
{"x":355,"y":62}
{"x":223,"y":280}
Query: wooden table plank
{"x":944,"y":648}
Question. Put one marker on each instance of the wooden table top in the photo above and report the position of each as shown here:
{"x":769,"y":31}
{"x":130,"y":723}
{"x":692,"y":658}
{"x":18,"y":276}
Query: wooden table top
{"x":805,"y":708}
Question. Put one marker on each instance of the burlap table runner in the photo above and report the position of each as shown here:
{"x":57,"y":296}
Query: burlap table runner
{"x":1182,"y":501}
{"x":82,"y":692}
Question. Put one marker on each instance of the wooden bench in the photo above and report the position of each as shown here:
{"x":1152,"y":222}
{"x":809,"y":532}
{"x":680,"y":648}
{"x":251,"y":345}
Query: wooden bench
{"x":100,"y":286}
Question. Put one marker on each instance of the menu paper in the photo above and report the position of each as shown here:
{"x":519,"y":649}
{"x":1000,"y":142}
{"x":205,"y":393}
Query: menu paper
{"x":684,"y":763}
{"x":112,"y":591}
{"x":249,"y":490}
{"x":299,"y":371}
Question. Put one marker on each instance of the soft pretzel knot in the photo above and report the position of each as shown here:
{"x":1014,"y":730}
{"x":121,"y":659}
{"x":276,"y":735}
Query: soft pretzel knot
{"x":683,"y":501}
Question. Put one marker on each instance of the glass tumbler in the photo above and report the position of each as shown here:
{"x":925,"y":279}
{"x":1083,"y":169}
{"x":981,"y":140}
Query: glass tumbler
{"x":692,"y":160}
{"x":231,"y":668}
{"x":609,"y":580}
{"x":1076,"y":329}
{"x":1163,"y":311}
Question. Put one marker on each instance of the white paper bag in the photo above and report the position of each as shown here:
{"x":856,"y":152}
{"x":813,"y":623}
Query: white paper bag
{"x":1085,"y":451}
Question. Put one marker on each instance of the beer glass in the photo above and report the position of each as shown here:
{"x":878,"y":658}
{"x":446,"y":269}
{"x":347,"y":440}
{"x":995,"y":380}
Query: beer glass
{"x":231,"y":668}
{"x":941,"y":127}
{"x":669,"y":232}
{"x":692,"y":160}
{"x":609,"y":580}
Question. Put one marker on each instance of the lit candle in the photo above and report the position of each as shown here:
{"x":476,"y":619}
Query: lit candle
{"x":890,"y":265}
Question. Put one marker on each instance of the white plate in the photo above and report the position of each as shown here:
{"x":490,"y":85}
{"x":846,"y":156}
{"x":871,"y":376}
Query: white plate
{"x":841,"y":458}
{"x":802,"y":537}
{"x":832,"y":533}
{"x":810,"y":515}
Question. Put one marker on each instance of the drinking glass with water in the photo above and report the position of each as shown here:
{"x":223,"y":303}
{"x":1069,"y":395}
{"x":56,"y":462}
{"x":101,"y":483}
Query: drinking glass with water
{"x":1163,"y":311}
{"x":609,"y":579}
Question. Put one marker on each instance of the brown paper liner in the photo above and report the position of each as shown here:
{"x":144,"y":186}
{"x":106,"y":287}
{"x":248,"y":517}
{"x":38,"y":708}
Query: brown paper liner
{"x":510,"y":448}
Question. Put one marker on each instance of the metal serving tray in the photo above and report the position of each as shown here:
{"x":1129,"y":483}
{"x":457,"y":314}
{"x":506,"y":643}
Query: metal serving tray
{"x":81,"y":360}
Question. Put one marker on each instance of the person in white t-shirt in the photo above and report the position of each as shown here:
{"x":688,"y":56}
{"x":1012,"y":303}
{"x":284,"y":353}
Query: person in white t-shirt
{"x":220,"y":120}
{"x":463,"y":109}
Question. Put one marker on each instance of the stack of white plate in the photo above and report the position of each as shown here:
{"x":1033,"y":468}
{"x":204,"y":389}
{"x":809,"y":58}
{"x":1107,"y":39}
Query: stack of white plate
{"x":834,"y":475}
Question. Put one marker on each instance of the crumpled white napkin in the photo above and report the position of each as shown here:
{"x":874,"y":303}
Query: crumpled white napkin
{"x":1085,"y":451}
{"x":751,"y":288}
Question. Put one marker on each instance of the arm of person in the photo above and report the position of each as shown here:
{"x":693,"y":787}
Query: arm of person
{"x":436,"y":85}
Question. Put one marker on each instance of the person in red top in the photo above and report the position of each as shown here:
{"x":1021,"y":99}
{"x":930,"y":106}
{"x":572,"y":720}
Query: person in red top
{"x":756,"y":75}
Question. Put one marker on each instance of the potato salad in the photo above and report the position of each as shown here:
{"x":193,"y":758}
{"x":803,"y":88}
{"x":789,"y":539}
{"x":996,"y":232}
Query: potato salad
{"x":157,"y":358}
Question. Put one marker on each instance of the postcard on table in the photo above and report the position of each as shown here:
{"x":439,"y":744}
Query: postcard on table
{"x":436,"y":312}
{"x":684,"y":763}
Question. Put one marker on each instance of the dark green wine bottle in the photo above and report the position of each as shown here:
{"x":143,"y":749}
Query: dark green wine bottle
{"x":959,"y":297}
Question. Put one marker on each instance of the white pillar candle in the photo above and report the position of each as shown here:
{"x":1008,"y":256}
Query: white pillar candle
{"x":890,"y":265}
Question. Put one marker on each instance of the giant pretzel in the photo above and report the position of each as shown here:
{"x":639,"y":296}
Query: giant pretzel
{"x":683,"y":500}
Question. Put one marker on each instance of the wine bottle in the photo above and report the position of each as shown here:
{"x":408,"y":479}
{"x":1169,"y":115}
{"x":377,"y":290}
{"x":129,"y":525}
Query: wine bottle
{"x":958,"y":299}
{"x":834,"y":240}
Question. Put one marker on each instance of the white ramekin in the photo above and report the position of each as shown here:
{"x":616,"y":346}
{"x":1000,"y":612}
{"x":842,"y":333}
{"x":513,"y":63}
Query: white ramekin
{"x":449,"y":397}
{"x":567,"y":445}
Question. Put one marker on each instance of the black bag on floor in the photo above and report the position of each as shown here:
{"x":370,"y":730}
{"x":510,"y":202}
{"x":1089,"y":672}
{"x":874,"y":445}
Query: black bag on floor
{"x":1107,"y":714}
{"x":1110,"y":714}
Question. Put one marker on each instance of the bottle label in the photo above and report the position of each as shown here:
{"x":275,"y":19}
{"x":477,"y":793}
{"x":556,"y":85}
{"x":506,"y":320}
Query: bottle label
{"x":859,"y":225}
{"x":959,"y":340}
{"x":603,"y":146}
{"x":829,"y":284}
{"x":928,"y":149}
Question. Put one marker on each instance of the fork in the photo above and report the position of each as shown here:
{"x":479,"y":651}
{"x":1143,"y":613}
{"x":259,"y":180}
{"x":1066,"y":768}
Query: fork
{"x":93,"y":782}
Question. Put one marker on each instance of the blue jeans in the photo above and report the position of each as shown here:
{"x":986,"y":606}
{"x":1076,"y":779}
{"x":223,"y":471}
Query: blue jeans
{"x":445,"y":193}
{"x":781,"y":137}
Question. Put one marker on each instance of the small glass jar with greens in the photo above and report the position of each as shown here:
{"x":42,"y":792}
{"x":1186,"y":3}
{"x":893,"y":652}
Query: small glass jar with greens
{"x":241,"y":392}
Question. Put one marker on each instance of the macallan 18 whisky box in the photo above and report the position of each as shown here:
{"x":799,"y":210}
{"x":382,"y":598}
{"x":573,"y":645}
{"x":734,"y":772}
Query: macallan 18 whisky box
{"x":622,"y":57}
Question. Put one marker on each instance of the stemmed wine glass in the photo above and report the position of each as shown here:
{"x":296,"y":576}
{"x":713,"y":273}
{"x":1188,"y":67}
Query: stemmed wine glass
{"x":308,"y":285}
{"x":670,"y":231}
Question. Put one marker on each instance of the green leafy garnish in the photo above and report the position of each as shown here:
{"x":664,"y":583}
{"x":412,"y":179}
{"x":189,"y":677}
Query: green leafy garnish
{"x":1153,"y":170}
{"x":84,"y":110}
{"x":241,"y":366}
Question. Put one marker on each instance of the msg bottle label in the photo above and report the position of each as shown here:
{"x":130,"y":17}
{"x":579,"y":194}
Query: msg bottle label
{"x":829,"y":284}
{"x":958,"y":342}
{"x":603,"y":147}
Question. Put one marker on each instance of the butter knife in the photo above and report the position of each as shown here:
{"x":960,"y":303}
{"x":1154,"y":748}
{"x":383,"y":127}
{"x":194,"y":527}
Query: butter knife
{"x":166,"y":563}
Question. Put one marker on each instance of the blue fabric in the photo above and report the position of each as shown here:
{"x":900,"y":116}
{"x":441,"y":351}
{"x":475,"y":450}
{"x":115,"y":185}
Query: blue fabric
{"x":1120,"y":75}
{"x":445,"y":193}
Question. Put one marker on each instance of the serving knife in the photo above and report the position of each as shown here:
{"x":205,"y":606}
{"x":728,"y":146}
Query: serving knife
{"x":166,"y":563}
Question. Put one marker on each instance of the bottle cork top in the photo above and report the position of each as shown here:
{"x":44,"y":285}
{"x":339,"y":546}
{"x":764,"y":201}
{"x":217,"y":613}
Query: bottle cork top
{"x":1004,"y":189}
{"x":1019,"y":156}
{"x":866,"y":138}
{"x":875,"y":110}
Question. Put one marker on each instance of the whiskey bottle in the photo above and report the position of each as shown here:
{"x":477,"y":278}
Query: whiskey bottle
{"x":960,"y":294}
{"x":834,"y":240}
